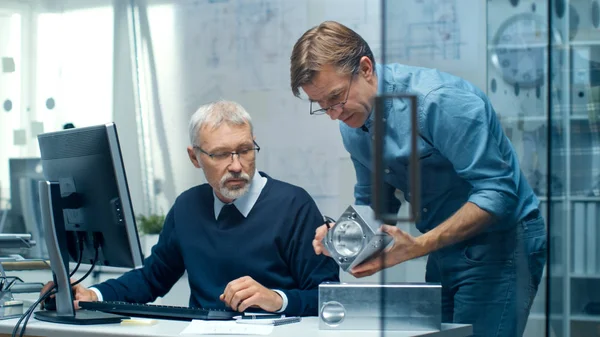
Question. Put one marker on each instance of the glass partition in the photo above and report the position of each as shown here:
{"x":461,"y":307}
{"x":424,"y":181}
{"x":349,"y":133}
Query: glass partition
{"x":575,"y":150}
{"x":448,"y":36}
{"x":520,"y":83}
{"x":522,"y":58}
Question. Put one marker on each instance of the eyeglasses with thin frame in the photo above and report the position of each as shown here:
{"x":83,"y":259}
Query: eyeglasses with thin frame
{"x":335,"y":106}
{"x":246,"y":154}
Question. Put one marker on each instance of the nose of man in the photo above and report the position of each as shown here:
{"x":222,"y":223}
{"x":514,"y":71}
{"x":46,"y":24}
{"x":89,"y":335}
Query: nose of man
{"x":236,"y":165}
{"x":334,"y":113}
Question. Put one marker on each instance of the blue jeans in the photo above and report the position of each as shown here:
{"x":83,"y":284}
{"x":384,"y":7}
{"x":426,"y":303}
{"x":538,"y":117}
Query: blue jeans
{"x":491,"y":279}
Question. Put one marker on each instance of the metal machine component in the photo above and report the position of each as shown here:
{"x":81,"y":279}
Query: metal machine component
{"x":397,"y":306}
{"x":355,"y":237}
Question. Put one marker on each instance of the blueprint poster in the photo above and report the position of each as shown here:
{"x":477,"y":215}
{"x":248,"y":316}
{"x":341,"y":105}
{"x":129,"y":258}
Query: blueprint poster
{"x":430,"y":29}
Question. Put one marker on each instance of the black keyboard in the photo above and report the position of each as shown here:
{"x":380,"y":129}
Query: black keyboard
{"x":158,"y":311}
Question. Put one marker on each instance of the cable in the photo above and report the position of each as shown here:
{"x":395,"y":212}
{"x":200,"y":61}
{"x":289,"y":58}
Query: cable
{"x":80,"y":240}
{"x":328,"y":221}
{"x":89,"y":271}
{"x":49,"y":293}
{"x":29,"y":312}
{"x":52,"y":290}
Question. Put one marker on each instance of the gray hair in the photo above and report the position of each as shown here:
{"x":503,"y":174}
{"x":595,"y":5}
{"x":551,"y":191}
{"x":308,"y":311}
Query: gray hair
{"x":216,"y":113}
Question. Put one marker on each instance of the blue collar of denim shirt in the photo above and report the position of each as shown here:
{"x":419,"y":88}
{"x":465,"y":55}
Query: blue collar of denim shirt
{"x":382,"y":87}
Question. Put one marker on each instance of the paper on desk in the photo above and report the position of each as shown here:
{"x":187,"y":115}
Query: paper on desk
{"x":139,"y":321}
{"x":198,"y":327}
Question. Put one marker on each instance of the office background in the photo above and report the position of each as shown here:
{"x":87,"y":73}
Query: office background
{"x":147,"y":66}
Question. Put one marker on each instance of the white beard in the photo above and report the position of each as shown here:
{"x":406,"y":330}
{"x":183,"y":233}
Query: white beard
{"x":234,"y":193}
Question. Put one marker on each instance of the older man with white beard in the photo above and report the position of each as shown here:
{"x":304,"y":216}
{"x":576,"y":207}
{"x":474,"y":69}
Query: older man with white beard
{"x":244,"y":238}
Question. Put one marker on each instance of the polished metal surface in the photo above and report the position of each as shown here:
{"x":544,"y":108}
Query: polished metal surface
{"x":355,"y":237}
{"x":396,"y":306}
{"x":348,"y":238}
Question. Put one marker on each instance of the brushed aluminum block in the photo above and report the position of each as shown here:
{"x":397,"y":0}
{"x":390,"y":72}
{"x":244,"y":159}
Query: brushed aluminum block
{"x":394,"y":306}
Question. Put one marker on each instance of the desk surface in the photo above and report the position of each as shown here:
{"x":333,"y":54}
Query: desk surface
{"x":308,"y":327}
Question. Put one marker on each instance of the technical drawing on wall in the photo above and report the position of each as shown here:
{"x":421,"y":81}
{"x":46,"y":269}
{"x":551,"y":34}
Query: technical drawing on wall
{"x":258,"y":45}
{"x":265,"y":32}
{"x":428,"y":30}
{"x":432,"y":30}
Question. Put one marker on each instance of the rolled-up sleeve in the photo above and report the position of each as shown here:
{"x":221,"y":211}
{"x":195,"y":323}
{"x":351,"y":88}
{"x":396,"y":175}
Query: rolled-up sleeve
{"x":463,"y":128}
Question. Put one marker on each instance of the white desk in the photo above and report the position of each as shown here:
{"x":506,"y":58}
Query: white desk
{"x":308,"y":327}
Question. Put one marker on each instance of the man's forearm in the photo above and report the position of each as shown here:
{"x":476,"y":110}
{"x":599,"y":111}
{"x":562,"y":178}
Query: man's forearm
{"x":466,"y":222}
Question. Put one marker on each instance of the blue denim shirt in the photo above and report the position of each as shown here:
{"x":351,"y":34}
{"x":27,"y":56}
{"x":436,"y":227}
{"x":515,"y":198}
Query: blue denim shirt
{"x":464,"y":153}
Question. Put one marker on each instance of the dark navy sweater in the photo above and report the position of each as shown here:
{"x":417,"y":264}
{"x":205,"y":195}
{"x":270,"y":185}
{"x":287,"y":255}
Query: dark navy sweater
{"x":272,"y":245}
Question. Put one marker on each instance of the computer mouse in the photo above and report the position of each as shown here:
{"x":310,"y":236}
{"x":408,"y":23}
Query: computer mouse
{"x":50,"y":303}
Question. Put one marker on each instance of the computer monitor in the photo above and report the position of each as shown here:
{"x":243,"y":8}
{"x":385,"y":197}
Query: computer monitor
{"x":85,"y":201}
{"x":25,"y":215}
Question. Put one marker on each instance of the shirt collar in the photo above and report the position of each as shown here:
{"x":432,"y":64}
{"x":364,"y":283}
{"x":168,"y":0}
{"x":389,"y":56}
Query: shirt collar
{"x":244,"y":203}
{"x":380,"y":82}
{"x":380,"y":90}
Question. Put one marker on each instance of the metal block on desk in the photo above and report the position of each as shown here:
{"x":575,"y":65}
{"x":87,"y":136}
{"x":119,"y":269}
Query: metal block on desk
{"x":394,"y":306}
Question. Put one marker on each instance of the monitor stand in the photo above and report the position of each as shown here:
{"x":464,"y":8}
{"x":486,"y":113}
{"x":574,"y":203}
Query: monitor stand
{"x":54,"y":226}
{"x":81,"y":317}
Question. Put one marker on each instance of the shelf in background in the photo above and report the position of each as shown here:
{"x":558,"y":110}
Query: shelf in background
{"x":555,"y":198}
{"x":516,"y":119}
{"x":585,"y":199}
{"x":584,"y":43}
{"x":585,"y":276}
{"x":585,"y":318}
{"x":555,"y":45}
{"x":579,"y":117}
{"x":520,"y":46}
{"x":542,"y":316}
{"x":571,"y":198}
{"x":537,"y":119}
